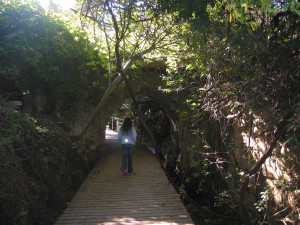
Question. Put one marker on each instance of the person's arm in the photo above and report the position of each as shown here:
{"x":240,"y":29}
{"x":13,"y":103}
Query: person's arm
{"x":133,"y":134}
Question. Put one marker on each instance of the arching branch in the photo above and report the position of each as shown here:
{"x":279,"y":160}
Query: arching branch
{"x":110,"y":89}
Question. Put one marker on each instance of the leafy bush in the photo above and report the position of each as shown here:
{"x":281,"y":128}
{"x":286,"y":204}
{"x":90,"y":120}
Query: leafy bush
{"x":37,"y":175}
{"x":41,"y":57}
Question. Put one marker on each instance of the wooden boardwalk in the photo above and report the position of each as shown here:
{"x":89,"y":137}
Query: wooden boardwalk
{"x":107,"y":197}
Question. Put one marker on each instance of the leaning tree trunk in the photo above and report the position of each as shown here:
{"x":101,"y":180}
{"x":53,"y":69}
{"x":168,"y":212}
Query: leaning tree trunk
{"x":100,"y":105}
{"x":110,"y":89}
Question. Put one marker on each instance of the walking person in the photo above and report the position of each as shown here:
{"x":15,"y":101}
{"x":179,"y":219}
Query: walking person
{"x":127,"y":137}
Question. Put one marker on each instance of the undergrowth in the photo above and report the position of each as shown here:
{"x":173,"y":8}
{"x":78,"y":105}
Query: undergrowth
{"x":39,"y":169}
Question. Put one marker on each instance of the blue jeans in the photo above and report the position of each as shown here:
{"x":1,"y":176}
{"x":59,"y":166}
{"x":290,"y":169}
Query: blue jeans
{"x":127,"y":157}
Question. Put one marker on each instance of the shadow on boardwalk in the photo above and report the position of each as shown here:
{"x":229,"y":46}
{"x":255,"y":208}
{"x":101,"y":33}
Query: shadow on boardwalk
{"x":110,"y":198}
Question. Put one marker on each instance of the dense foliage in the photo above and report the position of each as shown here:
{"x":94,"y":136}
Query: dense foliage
{"x":40,"y":171}
{"x":243,"y":70}
{"x":238,"y":67}
{"x":49,"y":68}
{"x":41,"y":57}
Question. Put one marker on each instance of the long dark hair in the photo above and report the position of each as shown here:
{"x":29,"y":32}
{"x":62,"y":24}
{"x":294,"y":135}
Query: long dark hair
{"x":127,"y":125}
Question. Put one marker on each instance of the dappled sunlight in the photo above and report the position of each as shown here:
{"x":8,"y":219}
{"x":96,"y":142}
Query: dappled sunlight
{"x":134,"y":221}
{"x":278,"y":176}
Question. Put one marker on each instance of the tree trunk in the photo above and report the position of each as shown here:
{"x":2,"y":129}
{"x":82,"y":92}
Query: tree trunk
{"x":100,"y":105}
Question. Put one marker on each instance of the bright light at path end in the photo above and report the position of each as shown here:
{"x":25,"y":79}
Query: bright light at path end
{"x":65,"y":4}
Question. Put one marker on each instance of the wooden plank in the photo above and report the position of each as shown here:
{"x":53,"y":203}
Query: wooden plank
{"x":107,"y":197}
